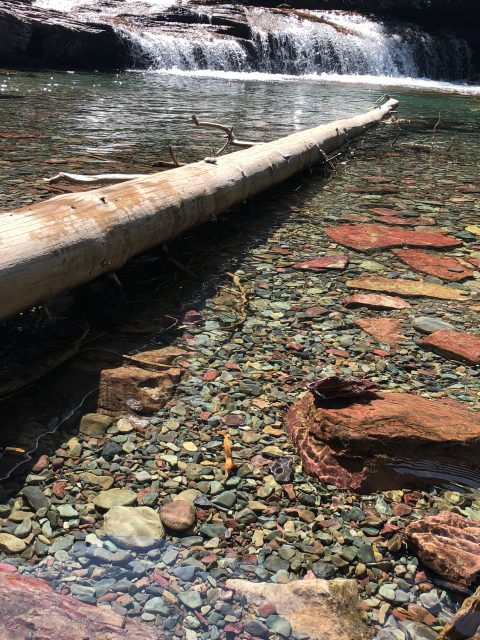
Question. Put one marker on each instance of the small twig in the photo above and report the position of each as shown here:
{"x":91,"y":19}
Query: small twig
{"x":173,"y":156}
{"x":228,"y":133}
{"x":242,"y":315}
{"x":178,"y":265}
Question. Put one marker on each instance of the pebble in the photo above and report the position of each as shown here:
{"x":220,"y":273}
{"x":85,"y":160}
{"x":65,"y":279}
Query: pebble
{"x":177,"y":515}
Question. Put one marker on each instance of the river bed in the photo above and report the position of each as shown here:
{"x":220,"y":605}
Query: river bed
{"x":104,"y":123}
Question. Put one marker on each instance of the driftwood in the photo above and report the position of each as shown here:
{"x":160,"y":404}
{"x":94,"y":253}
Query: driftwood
{"x":98,"y":178}
{"x":58,"y":244}
{"x":231,"y":139}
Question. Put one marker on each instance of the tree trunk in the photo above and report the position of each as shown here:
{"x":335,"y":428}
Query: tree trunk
{"x":70,"y":239}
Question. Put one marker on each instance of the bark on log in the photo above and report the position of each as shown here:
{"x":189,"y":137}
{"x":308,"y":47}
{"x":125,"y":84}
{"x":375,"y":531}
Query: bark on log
{"x":70,"y":239}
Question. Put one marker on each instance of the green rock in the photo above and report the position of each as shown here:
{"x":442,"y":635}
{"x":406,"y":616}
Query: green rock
{"x":95,"y":425}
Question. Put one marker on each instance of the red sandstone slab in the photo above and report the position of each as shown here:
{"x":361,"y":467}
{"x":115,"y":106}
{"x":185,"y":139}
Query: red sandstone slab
{"x":454,"y":345}
{"x":323,"y":263}
{"x":414,"y":288}
{"x":449,"y":545}
{"x":370,"y":237}
{"x":29,"y":608}
{"x":376,"y":301}
{"x":385,"y":330}
{"x":443,"y":267}
{"x":337,"y":443}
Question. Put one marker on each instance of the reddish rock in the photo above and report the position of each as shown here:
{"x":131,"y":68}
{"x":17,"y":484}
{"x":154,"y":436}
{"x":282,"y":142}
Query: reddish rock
{"x":321,"y":264}
{"x":41,"y":464}
{"x":414,"y":288}
{"x":280,"y":250}
{"x":454,"y":345}
{"x":385,"y":330}
{"x":376,"y":301}
{"x":315,"y":312}
{"x":449,"y":545}
{"x":338,"y":443}
{"x":29,"y":608}
{"x":401,"y":510}
{"x":370,"y":237}
{"x":177,"y":515}
{"x":210,"y":376}
{"x":443,"y":267}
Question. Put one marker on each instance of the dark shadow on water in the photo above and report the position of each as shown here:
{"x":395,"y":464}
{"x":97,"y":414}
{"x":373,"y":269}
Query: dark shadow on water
{"x":144,"y":314}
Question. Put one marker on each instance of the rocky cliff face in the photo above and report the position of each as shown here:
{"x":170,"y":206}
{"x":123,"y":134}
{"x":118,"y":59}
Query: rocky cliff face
{"x":36,"y":38}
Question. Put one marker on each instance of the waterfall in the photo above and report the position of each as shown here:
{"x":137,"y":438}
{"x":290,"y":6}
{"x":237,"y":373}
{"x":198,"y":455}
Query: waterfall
{"x":310,"y":43}
{"x":280,"y":41}
{"x":184,"y":51}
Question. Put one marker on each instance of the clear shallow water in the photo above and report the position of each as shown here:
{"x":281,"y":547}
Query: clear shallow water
{"x":92,"y":123}
{"x":101,"y":122}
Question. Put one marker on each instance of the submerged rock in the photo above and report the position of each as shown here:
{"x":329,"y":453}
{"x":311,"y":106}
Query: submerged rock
{"x":30,"y":608}
{"x":370,"y":237}
{"x":133,"y":527}
{"x":376,"y":301}
{"x":337,"y":442}
{"x":385,"y":330}
{"x":177,"y":515}
{"x":408,"y":288}
{"x":454,"y":345}
{"x":321,"y":609}
{"x":449,"y":545}
{"x":443,"y":267}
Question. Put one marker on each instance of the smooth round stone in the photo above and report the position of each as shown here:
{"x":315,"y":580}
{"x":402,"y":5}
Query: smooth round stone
{"x":142,"y":476}
{"x":156,"y":605}
{"x":11,"y":544}
{"x":190,"y":599}
{"x":189,"y":496}
{"x":191,"y":447}
{"x":279,"y":625}
{"x":124,"y":426}
{"x":133,"y":527}
{"x":226,"y":499}
{"x":177,"y":515}
{"x":256,"y":628}
{"x":23,"y":529}
{"x":426,"y":324}
{"x":106,"y":500}
{"x":67,"y":511}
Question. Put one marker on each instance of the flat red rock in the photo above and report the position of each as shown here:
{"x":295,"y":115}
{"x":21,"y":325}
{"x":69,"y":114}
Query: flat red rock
{"x":454,"y":345}
{"x":376,"y":301}
{"x":29,"y":608}
{"x":449,"y":545}
{"x":408,"y":288}
{"x":320,"y":264}
{"x":369,"y":237}
{"x":338,"y":443}
{"x":385,"y":330}
{"x":443,"y":267}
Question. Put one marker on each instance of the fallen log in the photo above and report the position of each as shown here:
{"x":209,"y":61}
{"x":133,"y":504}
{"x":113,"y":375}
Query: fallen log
{"x":70,"y":239}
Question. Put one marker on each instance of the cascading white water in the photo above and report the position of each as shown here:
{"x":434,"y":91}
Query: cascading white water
{"x":168,"y":51}
{"x":290,"y":43}
{"x":331,"y":42}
